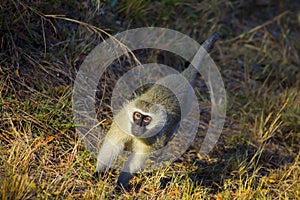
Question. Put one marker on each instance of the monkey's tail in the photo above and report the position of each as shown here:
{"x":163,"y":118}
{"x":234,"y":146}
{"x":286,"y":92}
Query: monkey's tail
{"x":208,"y":44}
{"x":195,"y":65}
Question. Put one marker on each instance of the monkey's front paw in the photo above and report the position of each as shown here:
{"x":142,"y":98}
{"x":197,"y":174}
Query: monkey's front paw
{"x":97,"y":175}
{"x":123,"y":181}
{"x":120,"y":188}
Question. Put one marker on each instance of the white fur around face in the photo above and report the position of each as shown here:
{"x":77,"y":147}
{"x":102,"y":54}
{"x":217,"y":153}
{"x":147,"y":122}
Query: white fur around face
{"x":157,"y":113}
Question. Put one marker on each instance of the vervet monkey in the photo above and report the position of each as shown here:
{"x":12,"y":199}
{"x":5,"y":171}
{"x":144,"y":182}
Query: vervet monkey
{"x":147,"y":123}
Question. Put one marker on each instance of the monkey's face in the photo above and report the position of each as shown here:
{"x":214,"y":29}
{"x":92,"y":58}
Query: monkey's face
{"x":140,"y":122}
{"x":146,"y":119}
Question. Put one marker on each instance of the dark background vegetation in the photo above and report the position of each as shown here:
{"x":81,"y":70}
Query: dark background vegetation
{"x":43,"y":43}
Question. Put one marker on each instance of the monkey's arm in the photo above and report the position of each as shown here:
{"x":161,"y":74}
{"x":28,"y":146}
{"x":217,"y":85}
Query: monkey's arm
{"x":112,"y":146}
{"x":134,"y":163}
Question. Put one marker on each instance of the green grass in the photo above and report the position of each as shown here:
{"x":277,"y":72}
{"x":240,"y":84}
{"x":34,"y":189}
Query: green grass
{"x":257,"y":156}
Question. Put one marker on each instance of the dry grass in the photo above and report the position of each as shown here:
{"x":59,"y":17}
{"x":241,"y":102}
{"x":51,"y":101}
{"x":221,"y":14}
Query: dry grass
{"x":257,"y":156}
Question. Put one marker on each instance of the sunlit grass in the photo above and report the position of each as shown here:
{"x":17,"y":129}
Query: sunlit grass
{"x":257,"y":157}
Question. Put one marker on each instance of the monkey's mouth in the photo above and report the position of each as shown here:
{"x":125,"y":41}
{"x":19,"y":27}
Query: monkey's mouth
{"x":143,"y":132}
{"x":138,"y":131}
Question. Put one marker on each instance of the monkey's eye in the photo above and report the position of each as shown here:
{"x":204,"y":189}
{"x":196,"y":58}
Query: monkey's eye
{"x":147,"y":120}
{"x":137,"y":115}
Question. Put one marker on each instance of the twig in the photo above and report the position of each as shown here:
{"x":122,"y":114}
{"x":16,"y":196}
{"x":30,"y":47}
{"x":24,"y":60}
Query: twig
{"x":256,"y":28}
{"x":95,"y":29}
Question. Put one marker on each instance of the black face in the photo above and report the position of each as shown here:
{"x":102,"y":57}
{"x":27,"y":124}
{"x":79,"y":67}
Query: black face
{"x":140,"y":122}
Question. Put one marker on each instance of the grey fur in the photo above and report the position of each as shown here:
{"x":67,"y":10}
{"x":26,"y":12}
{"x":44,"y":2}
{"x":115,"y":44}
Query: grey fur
{"x":165,"y":110}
